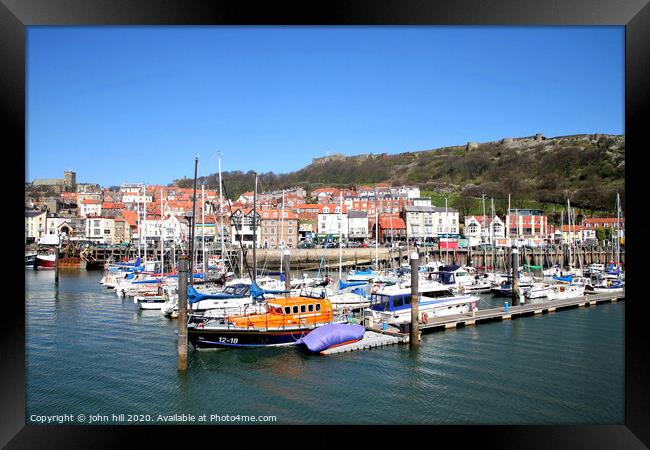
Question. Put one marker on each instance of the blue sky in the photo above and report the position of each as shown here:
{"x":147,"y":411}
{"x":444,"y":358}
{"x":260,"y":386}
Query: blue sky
{"x":127,"y":104}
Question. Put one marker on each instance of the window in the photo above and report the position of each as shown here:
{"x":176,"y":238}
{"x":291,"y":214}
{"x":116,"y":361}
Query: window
{"x":317,"y":306}
{"x":303,"y":308}
{"x":287,"y":310}
{"x":295,"y":309}
{"x":310,"y":308}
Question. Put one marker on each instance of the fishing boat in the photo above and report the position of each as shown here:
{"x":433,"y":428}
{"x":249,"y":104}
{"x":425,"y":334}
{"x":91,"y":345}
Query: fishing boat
{"x":30,"y":259}
{"x":45,"y":261}
{"x":394,"y":306}
{"x":283,"y":321}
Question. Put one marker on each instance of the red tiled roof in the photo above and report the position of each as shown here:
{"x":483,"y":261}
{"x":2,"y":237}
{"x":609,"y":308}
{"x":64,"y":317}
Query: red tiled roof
{"x":603,"y":220}
{"x":391,"y":223}
{"x":90,"y":201}
{"x":131,"y":217}
{"x":107,"y":205}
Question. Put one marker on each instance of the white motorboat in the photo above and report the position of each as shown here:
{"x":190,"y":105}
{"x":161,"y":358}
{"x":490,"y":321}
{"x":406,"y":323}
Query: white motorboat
{"x":565,"y":291}
{"x":538,"y":290}
{"x":393,"y":306}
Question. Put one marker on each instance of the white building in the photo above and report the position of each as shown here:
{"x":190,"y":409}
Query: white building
{"x":483,"y":229}
{"x":241,"y":228}
{"x":90,"y":207}
{"x":59,"y":225}
{"x":172,"y":228}
{"x":445,"y":221}
{"x":419,"y":222}
{"x":357,"y":224}
{"x":35,"y":224}
{"x":100,"y":229}
{"x":405,"y":191}
{"x":330,"y":222}
{"x":134,"y":197}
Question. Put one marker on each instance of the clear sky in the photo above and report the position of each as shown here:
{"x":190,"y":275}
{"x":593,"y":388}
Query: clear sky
{"x":136,"y":104}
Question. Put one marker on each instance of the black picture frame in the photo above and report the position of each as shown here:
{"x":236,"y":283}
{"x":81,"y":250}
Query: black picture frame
{"x":15,"y":15}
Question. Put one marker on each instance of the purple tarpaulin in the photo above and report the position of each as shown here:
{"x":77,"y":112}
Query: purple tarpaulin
{"x":326,"y":336}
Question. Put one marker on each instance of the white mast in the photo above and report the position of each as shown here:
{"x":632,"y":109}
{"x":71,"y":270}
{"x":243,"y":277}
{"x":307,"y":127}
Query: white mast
{"x":483,"y":218}
{"x":340,"y":235}
{"x":145,"y":227}
{"x":376,"y":233}
{"x":221,"y":211}
{"x":203,"y":225}
{"x":139,"y":228}
{"x":281,"y":243}
{"x":568,"y":217}
{"x":618,"y":238}
{"x":162,"y":237}
{"x":446,"y":230}
{"x":508,"y":220}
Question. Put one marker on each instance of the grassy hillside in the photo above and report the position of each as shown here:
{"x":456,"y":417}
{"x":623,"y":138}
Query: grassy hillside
{"x":537,"y":172}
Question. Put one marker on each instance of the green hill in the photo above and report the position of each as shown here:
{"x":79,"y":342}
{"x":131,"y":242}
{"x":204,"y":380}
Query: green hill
{"x":588,"y":169}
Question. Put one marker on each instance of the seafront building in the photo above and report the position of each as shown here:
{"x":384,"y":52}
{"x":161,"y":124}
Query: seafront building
{"x":109,"y":216}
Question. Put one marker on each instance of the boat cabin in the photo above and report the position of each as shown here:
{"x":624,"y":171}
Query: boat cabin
{"x":399,"y":301}
{"x":301,"y":312}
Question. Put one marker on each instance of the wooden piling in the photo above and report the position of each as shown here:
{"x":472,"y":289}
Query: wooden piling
{"x":183,"y":268}
{"x":515,"y":276}
{"x":287,"y":273}
{"x":414,"y":337}
{"x":56,"y":266}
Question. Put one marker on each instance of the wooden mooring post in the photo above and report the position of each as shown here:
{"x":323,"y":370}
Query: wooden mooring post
{"x":414,"y":337}
{"x":515,"y":276}
{"x":183,"y":268}
{"x":287,"y":273}
{"x":56,"y":265}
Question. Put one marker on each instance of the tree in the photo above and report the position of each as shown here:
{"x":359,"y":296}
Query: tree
{"x":603,"y":234}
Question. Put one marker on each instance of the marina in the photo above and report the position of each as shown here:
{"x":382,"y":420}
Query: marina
{"x":86,"y":348}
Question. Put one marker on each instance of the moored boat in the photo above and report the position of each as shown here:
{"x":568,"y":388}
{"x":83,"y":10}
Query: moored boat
{"x":46,"y":261}
{"x":283,"y":322}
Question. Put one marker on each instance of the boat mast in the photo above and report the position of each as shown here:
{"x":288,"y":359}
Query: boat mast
{"x":139,"y":228}
{"x":162,"y":237}
{"x":618,"y":238}
{"x":376,"y":232}
{"x":255,"y":230}
{"x":281,"y":243}
{"x":340,"y":235}
{"x":483,"y":217}
{"x":446,"y":230}
{"x":205,"y":264}
{"x":193,"y":224}
{"x":221,"y":212}
{"x":568,"y":217}
{"x":145,"y":227}
{"x":508,"y":220}
{"x":492,"y":233}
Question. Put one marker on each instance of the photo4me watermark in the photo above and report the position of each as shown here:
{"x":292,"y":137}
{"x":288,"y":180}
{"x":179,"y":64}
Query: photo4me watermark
{"x":95,"y":419}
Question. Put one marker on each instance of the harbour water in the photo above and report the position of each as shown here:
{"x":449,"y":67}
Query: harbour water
{"x":90,"y":352}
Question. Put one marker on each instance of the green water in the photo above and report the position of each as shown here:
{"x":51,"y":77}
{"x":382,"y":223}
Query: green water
{"x":90,"y":352}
